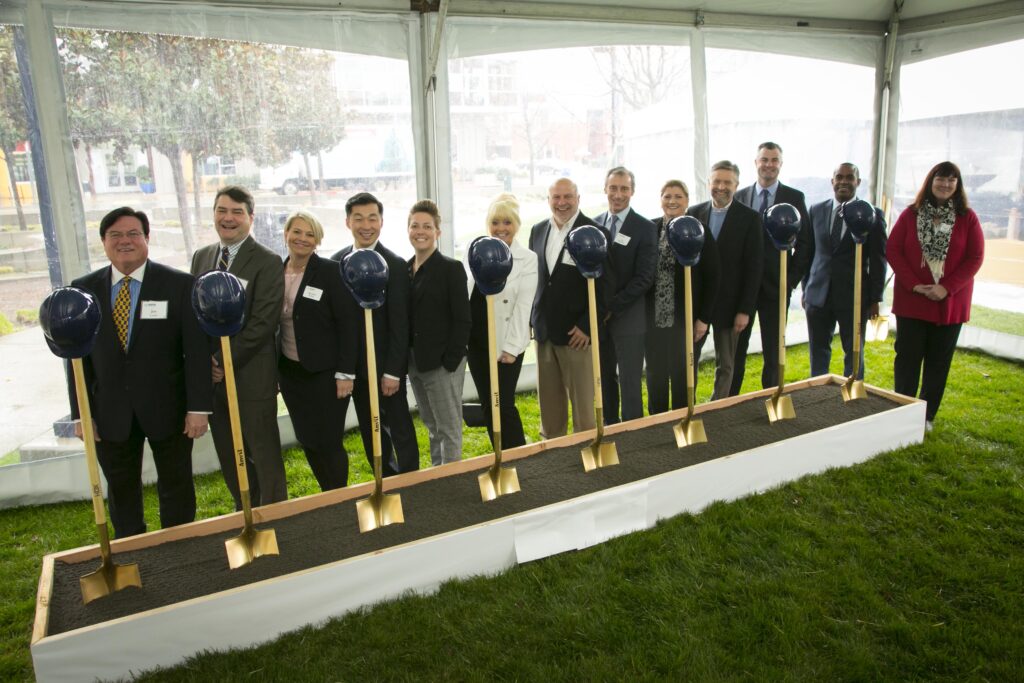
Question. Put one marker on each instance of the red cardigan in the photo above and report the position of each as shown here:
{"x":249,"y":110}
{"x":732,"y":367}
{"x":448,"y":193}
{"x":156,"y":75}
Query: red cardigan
{"x":966,"y":251}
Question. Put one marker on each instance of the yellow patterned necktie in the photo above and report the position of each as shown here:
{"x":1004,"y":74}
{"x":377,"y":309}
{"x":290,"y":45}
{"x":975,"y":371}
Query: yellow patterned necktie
{"x":122,"y":311}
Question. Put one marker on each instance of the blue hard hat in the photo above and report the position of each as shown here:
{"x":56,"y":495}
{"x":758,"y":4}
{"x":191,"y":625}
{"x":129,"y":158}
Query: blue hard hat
{"x":365,"y":273}
{"x":782,"y":222}
{"x":490,"y":260}
{"x":589,"y":248}
{"x":859,"y":217}
{"x":218,"y":299}
{"x":70,"y":318}
{"x":686,"y":237}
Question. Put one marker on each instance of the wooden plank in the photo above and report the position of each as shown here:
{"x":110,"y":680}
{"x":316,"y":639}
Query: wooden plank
{"x":43,"y":595}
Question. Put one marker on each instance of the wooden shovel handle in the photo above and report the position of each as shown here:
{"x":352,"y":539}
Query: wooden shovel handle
{"x":89,"y":436}
{"x":236,"y":428}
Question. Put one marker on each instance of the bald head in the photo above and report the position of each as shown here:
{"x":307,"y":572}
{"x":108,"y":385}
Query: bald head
{"x":564,"y":199}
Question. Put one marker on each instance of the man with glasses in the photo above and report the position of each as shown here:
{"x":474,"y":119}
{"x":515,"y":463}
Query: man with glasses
{"x":148,"y":375}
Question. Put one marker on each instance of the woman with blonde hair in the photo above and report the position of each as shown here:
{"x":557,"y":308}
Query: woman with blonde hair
{"x":511,"y":323}
{"x":318,"y":348}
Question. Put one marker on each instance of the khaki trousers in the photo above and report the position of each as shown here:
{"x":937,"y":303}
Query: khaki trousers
{"x":564,"y":375}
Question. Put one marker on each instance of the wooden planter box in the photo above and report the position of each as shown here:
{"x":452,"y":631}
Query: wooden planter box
{"x":261,"y":611}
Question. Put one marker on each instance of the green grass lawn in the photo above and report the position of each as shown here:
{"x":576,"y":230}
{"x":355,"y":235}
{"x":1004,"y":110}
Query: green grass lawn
{"x":998,"y":320}
{"x":905,"y":568}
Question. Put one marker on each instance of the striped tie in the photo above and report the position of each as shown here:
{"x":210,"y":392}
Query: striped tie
{"x":122,"y":311}
{"x":222,"y":262}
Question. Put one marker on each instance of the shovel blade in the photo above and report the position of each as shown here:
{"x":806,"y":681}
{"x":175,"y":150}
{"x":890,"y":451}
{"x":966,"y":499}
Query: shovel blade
{"x":877,"y":329}
{"x":598,"y":455}
{"x":853,"y":391}
{"x":249,"y":545}
{"x":109,"y":578}
{"x":375,"y":512}
{"x":780,"y":408}
{"x":502,"y":482}
{"x":689,"y":432}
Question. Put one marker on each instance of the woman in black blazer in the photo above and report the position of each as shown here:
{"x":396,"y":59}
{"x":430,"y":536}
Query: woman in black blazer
{"x":318,"y":345}
{"x":439,"y":331}
{"x":666,"y":331}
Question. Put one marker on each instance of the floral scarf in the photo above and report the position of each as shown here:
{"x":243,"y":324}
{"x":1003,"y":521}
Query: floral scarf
{"x":934,"y":237}
{"x":664,"y":283}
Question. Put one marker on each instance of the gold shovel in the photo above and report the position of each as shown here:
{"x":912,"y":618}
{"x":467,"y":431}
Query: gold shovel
{"x":597,"y":454}
{"x":496,"y":481}
{"x":252,"y":542}
{"x":378,"y":510}
{"x":853,"y":388}
{"x":780,"y":406}
{"x":110,"y":577}
{"x":690,"y":430}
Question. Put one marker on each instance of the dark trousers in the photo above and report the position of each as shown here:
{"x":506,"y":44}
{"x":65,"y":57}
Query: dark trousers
{"x":262,"y":442}
{"x":923,"y":343}
{"x":622,"y":367}
{"x":665,"y":351}
{"x":318,"y":416}
{"x":767,"y":314}
{"x":821,"y":325}
{"x":121,"y":462}
{"x":508,"y":377}
{"x":398,"y":445}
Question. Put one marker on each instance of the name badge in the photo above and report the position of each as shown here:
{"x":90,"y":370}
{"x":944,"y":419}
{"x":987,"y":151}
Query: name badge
{"x":313,"y":293}
{"x":567,"y":259}
{"x":622,"y":239}
{"x":245,"y":283}
{"x":154,"y":310}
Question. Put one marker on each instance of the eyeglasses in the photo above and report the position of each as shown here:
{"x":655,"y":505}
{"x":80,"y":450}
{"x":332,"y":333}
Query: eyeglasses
{"x":133,"y":235}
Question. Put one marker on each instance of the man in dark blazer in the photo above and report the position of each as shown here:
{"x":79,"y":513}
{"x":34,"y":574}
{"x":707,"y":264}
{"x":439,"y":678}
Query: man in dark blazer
{"x":762,"y":195}
{"x":364,"y":216}
{"x":829,"y":295}
{"x":632,"y":260}
{"x":253,"y":350}
{"x":737,"y":230}
{"x":148,"y":376}
{"x":561,"y":318}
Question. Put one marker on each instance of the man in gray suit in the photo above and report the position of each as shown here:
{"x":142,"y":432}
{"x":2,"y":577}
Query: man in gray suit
{"x":252,"y":349}
{"x":633,"y":258}
{"x":829,"y":293}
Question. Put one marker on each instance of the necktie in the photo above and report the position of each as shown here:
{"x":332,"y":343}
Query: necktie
{"x":222,"y":262}
{"x":764,"y":201}
{"x":837,"y":230}
{"x":613,"y":226}
{"x":122,"y":311}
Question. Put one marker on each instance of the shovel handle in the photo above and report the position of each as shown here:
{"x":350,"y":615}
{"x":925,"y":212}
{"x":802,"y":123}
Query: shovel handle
{"x":858,"y":264}
{"x":236,"y":429}
{"x":495,"y":398}
{"x":688,"y":311}
{"x":783,"y":286}
{"x":85,"y":413}
{"x":371,"y":382}
{"x":595,"y":355}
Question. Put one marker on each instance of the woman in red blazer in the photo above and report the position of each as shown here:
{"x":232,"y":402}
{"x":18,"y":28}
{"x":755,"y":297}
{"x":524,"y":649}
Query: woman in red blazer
{"x":935,"y":249}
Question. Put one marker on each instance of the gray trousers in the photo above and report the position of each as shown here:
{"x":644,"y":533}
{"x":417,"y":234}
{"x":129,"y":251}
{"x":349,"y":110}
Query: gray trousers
{"x":725,"y":359}
{"x":439,"y":398}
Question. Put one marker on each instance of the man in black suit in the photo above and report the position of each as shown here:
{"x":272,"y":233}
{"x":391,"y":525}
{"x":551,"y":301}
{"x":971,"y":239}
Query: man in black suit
{"x":253,"y":349}
{"x":364,"y":216}
{"x":762,"y":195}
{"x":632,"y":260}
{"x":829,"y":295}
{"x":148,"y":375}
{"x":561,"y":318}
{"x":737,"y":230}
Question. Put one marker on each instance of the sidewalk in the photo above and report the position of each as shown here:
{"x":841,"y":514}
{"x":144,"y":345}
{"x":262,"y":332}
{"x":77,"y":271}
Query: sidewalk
{"x":33,"y":391}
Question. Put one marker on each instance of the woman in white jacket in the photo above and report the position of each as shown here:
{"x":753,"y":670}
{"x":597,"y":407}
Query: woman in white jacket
{"x":511,"y":323}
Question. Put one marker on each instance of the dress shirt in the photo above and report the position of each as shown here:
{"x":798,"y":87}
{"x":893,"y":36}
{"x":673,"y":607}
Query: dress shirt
{"x":233,"y":249}
{"x":832,"y":216}
{"x":773,"y":189}
{"x":556,"y":238}
{"x":621,"y":215}
{"x":135,"y":287}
